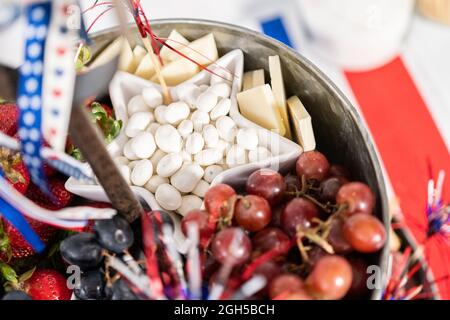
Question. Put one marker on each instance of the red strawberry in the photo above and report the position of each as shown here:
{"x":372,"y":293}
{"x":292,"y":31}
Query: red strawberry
{"x":62,"y":197}
{"x":15,"y":170}
{"x":16,"y":247}
{"x":9,"y":113}
{"x":47,"y":284}
{"x":49,"y":171}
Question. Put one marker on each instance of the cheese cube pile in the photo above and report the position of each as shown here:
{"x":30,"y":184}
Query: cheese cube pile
{"x":176,"y":68}
{"x":266,"y":106}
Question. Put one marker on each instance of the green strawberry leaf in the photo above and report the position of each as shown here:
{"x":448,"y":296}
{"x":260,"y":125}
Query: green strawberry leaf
{"x":75,"y":152}
{"x":84,"y":56}
{"x":8,"y":274}
{"x":114,"y":129}
{"x":109,"y":126}
{"x":54,"y":249}
{"x":98,"y":113}
{"x":26,"y":275}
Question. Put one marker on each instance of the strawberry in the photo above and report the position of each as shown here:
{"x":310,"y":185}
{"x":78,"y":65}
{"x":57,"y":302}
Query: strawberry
{"x":61,"y":196}
{"x":9,"y":113}
{"x":47,"y":284}
{"x":15,"y":170}
{"x":49,"y":171}
{"x":15,"y":246}
{"x":40,"y":284}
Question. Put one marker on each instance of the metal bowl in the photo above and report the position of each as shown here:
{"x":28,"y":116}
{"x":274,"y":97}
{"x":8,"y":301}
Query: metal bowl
{"x":340,"y":131}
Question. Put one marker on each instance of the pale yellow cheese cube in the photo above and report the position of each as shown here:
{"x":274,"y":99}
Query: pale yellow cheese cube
{"x":276,"y":78}
{"x":139,"y":53}
{"x":146,"y":68}
{"x":177,"y":72}
{"x":301,"y":120}
{"x":207,"y":48}
{"x":176,"y":41}
{"x":118,"y":46}
{"x":259,"y":106}
{"x":253,"y":79}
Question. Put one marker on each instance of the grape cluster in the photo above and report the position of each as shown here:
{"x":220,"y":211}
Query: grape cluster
{"x":87,"y":250}
{"x":308,"y":233}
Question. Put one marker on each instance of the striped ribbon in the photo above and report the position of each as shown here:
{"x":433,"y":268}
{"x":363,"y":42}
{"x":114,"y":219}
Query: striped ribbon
{"x":30,"y":90}
{"x":16,"y":219}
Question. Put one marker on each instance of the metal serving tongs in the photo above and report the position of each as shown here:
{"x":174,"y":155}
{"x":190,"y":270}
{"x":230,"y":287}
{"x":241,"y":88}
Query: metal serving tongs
{"x":95,"y":82}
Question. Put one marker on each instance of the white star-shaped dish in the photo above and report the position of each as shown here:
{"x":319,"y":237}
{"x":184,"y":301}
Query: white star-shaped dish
{"x":124,"y":86}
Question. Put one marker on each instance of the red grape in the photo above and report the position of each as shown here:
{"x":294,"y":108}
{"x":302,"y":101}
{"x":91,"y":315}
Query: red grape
{"x":293,"y":184}
{"x":315,"y":254}
{"x":217,"y":200}
{"x":330,"y":278}
{"x":253,"y":213}
{"x":357,"y":196}
{"x":359,"y":287}
{"x":313,"y":165}
{"x":299,"y":295}
{"x":268,"y":269}
{"x":199,"y":217}
{"x":270,"y":238}
{"x":268,"y":184}
{"x":336,"y":238}
{"x":285,"y":284}
{"x":231,"y":246}
{"x":364,"y":232}
{"x":298,"y":212}
{"x":276,"y":215}
{"x":330,"y":187}
{"x":337,"y":170}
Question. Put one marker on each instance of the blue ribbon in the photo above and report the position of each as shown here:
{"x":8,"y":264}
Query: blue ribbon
{"x":15,"y":218}
{"x":30,"y":91}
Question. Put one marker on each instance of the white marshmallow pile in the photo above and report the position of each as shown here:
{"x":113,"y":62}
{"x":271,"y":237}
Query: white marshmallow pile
{"x":176,"y":151}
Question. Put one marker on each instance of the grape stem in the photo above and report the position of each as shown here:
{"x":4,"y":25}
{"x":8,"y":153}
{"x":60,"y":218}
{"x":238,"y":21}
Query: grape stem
{"x":304,"y":193}
{"x":227,"y":212}
{"x":319,"y":234}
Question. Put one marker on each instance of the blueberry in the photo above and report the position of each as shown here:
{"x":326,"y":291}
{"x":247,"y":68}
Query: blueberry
{"x":114,"y":234}
{"x":16,"y":295}
{"x":121,"y":291}
{"x":82,"y":250}
{"x":92,"y":286}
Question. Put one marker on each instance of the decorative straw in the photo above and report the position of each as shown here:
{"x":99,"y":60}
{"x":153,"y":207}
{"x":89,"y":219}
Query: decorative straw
{"x":174,"y":255}
{"x":194,"y":268}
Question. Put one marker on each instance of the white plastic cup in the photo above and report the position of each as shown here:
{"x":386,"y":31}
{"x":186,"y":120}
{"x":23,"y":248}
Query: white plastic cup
{"x":357,"y":34}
